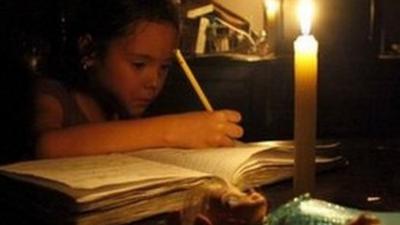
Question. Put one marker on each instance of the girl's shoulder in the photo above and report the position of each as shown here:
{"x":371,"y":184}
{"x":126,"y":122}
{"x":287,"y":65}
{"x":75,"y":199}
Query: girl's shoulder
{"x":72,"y":113}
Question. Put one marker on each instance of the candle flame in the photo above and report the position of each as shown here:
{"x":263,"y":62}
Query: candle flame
{"x":305,"y":13}
{"x":272,"y":6}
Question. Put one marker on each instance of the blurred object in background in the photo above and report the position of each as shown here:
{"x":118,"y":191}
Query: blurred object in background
{"x":209,"y":28}
{"x":386,"y":21}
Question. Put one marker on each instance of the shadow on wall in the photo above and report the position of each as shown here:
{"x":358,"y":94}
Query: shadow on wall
{"x":17,"y":112}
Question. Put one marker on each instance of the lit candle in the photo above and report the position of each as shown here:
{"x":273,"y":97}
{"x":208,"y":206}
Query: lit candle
{"x":305,"y":67}
{"x":271,"y":9}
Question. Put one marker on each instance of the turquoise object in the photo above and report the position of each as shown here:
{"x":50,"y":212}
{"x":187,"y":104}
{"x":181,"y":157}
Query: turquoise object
{"x":304,"y":210}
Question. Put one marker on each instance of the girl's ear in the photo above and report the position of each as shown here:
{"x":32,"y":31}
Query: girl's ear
{"x":86,"y":51}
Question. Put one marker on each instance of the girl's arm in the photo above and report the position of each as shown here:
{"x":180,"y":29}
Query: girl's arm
{"x":187,"y":130}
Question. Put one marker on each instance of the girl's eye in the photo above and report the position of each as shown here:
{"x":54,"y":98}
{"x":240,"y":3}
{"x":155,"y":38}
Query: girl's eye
{"x":139,"y":65}
{"x":166,"y":67}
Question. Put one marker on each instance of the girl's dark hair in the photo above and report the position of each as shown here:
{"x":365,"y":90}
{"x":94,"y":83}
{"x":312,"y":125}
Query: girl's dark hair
{"x":106,"y":20}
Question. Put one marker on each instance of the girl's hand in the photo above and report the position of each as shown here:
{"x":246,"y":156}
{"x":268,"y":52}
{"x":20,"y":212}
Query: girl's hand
{"x":203,"y":129}
{"x":232,"y":207}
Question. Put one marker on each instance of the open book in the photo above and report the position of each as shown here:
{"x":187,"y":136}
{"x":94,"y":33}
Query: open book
{"x":121,"y":188}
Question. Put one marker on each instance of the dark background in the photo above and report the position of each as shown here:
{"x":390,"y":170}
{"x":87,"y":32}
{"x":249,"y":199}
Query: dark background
{"x":358,"y":79}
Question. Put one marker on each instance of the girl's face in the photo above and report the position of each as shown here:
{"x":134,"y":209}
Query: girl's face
{"x":135,"y":67}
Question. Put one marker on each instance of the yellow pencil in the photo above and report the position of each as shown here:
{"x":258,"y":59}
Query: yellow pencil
{"x":189,"y":74}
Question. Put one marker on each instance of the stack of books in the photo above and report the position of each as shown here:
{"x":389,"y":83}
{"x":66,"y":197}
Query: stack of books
{"x":200,"y":16}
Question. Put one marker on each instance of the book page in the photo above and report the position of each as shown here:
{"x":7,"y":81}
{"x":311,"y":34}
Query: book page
{"x":222,"y":162}
{"x":98,"y":171}
{"x":102,"y":189}
{"x":236,"y":163}
{"x":266,"y":167}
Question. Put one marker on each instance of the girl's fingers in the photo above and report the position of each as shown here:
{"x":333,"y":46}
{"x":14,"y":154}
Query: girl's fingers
{"x":234,"y":131}
{"x":229,"y":115}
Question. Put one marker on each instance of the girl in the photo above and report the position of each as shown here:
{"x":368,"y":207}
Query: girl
{"x":116,"y":62}
{"x":115,"y":66}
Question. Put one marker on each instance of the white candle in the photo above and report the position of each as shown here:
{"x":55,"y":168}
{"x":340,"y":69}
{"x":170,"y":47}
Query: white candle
{"x":305,"y":67}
